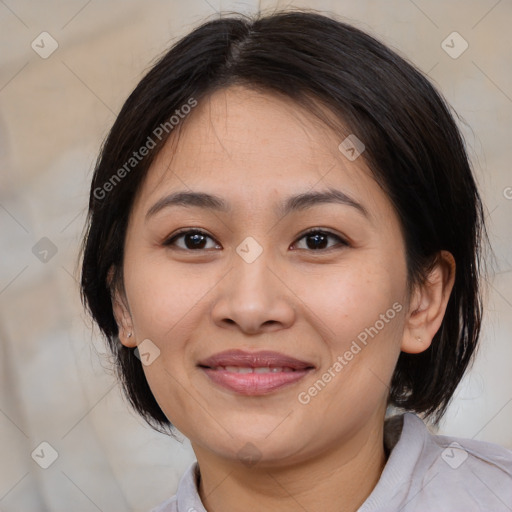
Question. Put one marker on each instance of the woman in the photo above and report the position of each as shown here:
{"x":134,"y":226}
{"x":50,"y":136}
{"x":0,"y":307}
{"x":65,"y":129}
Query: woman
{"x":283,"y":245}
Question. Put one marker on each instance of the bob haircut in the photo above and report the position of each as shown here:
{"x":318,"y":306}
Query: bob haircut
{"x":412,"y":147}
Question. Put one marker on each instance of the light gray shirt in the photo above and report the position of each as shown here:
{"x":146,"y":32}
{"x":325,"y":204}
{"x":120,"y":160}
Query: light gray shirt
{"x":424,"y":473}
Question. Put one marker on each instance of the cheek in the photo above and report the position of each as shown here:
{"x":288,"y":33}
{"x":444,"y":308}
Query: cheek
{"x":350,"y":299}
{"x":360,"y":313}
{"x":163,"y":296}
{"x":165,"y":303}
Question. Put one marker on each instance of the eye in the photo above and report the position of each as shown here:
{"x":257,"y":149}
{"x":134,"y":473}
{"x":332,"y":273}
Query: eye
{"x":316,"y":239}
{"x":193,"y":240}
{"x":196,"y":239}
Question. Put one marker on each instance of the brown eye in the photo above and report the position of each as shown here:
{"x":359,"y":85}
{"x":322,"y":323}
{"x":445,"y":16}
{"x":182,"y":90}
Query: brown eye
{"x":317,"y":240}
{"x":196,"y":240}
{"x":192,"y":240}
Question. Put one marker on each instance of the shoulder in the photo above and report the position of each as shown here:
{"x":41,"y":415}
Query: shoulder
{"x":428,"y":472}
{"x":475,"y":473}
{"x":454,"y":452}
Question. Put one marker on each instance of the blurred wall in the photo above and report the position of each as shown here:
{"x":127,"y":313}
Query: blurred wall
{"x":54,"y":112}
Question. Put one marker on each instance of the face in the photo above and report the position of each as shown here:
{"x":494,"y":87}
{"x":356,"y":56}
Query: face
{"x":254,"y":279}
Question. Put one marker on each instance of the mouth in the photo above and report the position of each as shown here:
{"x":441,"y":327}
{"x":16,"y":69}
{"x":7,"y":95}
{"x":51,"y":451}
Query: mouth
{"x":254,"y":373}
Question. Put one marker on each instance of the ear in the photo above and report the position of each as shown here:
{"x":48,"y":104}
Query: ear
{"x":428,"y":305}
{"x":121,"y":314}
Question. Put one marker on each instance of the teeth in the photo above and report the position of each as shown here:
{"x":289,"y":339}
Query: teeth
{"x":238,"y":369}
{"x":245,"y":369}
{"x":265,"y":370}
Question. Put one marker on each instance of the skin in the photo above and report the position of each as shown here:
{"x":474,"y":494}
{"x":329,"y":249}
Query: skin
{"x":254,"y":150}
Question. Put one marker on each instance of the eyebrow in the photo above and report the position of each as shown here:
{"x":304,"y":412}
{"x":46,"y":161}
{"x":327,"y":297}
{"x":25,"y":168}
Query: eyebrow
{"x":297,"y":202}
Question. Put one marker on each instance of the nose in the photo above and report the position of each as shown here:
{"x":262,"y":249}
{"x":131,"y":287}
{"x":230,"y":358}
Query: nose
{"x":254,"y":297}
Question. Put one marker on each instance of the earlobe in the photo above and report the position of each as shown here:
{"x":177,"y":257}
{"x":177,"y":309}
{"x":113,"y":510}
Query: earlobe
{"x":124,"y":322}
{"x":122,"y":316}
{"x":428,"y":305}
{"x":415,"y":344}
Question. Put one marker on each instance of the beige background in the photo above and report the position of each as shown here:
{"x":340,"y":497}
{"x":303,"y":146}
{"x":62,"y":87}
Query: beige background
{"x":55,"y":112}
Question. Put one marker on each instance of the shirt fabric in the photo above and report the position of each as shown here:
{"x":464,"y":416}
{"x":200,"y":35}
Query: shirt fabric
{"x":424,"y":473}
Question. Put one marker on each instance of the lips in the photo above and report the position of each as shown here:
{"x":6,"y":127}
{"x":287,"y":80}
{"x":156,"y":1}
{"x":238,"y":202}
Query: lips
{"x":262,"y":359}
{"x":254,"y":373}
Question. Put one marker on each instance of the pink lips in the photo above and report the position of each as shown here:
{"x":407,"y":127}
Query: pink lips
{"x":254,"y":373}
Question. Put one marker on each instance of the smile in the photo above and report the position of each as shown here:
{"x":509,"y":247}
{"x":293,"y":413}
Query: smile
{"x":254,"y":381}
{"x":261,"y":369}
{"x":254,"y":373}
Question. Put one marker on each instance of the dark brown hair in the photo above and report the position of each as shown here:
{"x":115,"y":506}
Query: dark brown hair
{"x":412,"y":146}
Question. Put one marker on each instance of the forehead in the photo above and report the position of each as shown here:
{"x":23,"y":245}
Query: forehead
{"x":241,"y":143}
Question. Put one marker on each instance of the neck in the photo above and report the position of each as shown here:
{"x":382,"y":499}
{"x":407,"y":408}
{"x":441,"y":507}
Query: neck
{"x":338,"y":479}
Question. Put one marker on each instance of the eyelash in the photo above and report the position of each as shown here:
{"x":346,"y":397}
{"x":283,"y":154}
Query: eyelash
{"x":171,"y":240}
